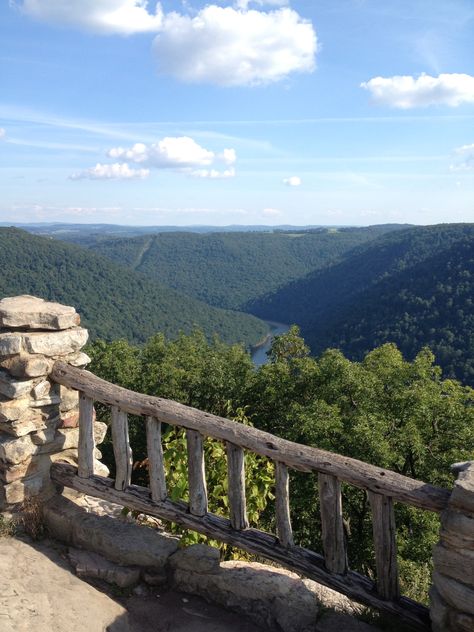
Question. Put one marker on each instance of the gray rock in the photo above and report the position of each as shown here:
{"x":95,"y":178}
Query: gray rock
{"x":155,"y":577}
{"x":35,"y":313}
{"x":27,"y":365}
{"x":197,"y":558}
{"x":10,"y":344}
{"x":462,"y":495}
{"x":78,"y":359}
{"x":457,"y":530}
{"x":13,"y":409}
{"x":31,"y":421}
{"x":14,"y":388}
{"x":127,"y":544}
{"x":41,"y":389}
{"x":16,"y":450}
{"x":456,"y":564}
{"x":93,"y":565}
{"x":271,"y":597}
{"x":456,"y":594}
{"x":56,"y":343}
{"x":439,"y":611}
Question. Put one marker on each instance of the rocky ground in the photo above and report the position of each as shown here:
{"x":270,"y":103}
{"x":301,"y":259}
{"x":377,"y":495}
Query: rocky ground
{"x":39,"y":591}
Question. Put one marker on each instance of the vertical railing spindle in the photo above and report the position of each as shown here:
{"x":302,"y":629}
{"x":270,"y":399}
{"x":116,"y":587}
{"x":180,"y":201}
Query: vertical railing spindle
{"x":86,"y":443}
{"x":282,"y":505}
{"x":122,"y":450}
{"x":236,"y":487}
{"x":155,"y":459}
{"x":332,"y":526}
{"x":383,"y":524}
{"x":196,"y":474}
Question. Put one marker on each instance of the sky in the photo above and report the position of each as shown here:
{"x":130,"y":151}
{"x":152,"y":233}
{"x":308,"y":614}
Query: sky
{"x":326,"y":112}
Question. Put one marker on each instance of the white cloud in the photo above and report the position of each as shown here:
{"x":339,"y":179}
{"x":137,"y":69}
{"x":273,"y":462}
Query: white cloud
{"x":271,"y":212}
{"x":116,"y":171}
{"x":466,"y":153}
{"x":180,"y":153}
{"x":170,"y":152}
{"x":2,"y":132}
{"x":407,"y":92}
{"x":103,"y":16}
{"x":292,"y":181}
{"x":234,"y":47}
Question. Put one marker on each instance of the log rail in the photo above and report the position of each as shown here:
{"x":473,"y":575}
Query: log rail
{"x":383,"y":487}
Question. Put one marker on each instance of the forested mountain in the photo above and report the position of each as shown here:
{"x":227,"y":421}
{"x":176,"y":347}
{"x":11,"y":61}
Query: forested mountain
{"x":232,"y":269}
{"x":113,"y":301}
{"x":414,"y":288}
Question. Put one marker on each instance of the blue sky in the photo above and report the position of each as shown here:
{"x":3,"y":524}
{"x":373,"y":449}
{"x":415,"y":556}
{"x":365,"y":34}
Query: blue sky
{"x":266,"y":112}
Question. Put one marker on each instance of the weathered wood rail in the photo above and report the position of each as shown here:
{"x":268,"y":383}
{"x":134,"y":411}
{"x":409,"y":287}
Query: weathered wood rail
{"x":331,"y":569}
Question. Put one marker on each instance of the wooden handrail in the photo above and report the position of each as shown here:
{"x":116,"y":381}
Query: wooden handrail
{"x":299,"y":457}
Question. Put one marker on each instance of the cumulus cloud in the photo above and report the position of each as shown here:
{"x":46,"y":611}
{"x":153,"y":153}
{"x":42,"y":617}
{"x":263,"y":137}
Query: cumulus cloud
{"x":103,"y":16}
{"x":292,"y":181}
{"x":407,"y":92}
{"x":116,"y":171}
{"x":466,"y":158}
{"x":228,"y":46}
{"x":180,"y":153}
{"x":170,"y":152}
{"x":234,"y":47}
{"x":2,"y":133}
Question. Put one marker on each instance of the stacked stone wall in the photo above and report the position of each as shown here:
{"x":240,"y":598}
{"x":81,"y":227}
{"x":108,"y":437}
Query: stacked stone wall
{"x":452,"y":593}
{"x":38,"y":418}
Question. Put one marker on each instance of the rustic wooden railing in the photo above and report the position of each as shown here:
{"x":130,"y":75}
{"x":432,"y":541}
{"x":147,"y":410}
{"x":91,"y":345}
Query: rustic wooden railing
{"x":383,"y":488}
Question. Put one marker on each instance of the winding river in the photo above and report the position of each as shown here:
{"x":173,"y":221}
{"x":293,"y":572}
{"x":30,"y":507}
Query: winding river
{"x":259,"y":353}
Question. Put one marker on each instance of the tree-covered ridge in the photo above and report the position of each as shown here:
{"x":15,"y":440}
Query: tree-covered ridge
{"x":383,"y":410}
{"x":113,"y":301}
{"x":413,"y":287}
{"x":232,"y":269}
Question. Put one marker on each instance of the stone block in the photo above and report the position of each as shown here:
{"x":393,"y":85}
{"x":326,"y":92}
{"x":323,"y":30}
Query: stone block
{"x":37,"y":486}
{"x":69,"y":398}
{"x":70,"y":419}
{"x":462,"y":496}
{"x":439,"y":611}
{"x":31,"y":312}
{"x":14,"y":388}
{"x":57,"y":343}
{"x":31,"y":421}
{"x":198,"y":558}
{"x":41,"y":389}
{"x":457,"y":530}
{"x":16,"y":449}
{"x":128,"y":544}
{"x":79,"y":359}
{"x":13,"y":409}
{"x":456,"y":564}
{"x":28,"y":365}
{"x":93,"y":565}
{"x":456,"y":594}
{"x":10,"y":344}
{"x":461,"y":622}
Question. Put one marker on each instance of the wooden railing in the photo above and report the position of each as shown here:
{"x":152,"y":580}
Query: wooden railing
{"x":383,"y":488}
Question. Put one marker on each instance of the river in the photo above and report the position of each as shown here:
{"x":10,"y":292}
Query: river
{"x":259,"y":354}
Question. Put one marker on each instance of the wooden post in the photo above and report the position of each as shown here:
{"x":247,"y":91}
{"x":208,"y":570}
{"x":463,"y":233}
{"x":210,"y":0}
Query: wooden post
{"x":282,"y":505}
{"x":332,"y":527}
{"x":196,"y":474}
{"x":122,"y":450}
{"x":86,"y":437}
{"x":383,"y":524}
{"x":156,"y":468}
{"x":236,"y":486}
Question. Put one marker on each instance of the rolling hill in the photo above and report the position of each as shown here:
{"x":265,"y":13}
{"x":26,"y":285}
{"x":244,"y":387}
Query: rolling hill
{"x":230,"y":270}
{"x":414,"y":288}
{"x":114,"y":301}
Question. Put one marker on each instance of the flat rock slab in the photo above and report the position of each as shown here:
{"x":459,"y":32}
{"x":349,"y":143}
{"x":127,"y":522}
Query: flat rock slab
{"x":35,"y":313}
{"x":87,"y":564}
{"x":39,"y":592}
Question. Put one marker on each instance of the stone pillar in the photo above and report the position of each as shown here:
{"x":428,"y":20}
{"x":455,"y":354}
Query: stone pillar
{"x":38,"y":418}
{"x":452,"y":593}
